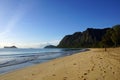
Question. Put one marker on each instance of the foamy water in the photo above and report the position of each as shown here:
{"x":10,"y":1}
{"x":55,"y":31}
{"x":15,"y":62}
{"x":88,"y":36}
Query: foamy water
{"x":11,"y":59}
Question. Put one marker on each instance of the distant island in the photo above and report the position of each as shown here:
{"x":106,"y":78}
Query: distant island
{"x":50,"y":46}
{"x":10,"y":47}
{"x":92,"y":38}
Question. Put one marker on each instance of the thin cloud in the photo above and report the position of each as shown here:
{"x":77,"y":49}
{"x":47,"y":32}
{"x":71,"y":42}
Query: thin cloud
{"x":17,"y":16}
{"x":37,"y":45}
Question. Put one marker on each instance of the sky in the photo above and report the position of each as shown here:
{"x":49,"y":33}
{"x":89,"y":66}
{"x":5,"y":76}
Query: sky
{"x":36,"y":23}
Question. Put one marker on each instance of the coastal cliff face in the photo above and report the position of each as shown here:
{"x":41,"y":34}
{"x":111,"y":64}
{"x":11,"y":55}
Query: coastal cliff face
{"x":88,"y":38}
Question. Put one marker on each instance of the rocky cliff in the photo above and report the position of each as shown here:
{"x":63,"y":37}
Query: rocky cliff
{"x":88,"y":38}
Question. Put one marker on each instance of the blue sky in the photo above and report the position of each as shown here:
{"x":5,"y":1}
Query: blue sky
{"x":36,"y":23}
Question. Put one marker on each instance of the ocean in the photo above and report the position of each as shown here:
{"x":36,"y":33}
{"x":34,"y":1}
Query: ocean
{"x":12,"y":59}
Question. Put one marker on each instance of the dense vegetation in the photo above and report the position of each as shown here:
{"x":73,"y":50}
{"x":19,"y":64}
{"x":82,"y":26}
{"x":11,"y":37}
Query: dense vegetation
{"x":112,"y":37}
{"x":108,"y":37}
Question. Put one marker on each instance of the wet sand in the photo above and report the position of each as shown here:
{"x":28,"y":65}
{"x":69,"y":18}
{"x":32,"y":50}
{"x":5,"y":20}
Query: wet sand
{"x":95,"y":64}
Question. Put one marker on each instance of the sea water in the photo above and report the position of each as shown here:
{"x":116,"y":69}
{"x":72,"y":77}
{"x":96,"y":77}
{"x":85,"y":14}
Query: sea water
{"x":13,"y":58}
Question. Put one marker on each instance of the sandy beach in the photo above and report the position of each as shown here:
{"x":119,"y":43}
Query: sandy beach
{"x":95,"y":64}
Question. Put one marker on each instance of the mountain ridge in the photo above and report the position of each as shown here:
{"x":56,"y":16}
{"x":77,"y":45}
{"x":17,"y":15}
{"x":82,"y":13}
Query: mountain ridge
{"x":89,"y":38}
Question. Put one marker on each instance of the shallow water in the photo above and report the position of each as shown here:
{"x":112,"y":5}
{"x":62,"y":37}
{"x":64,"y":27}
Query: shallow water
{"x":12,"y":59}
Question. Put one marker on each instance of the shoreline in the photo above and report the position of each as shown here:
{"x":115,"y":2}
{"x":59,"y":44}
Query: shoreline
{"x":10,"y":68}
{"x":95,"y":64}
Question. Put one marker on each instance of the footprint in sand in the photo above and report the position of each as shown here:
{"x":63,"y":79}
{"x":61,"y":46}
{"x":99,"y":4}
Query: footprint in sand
{"x":65,"y":78}
{"x":99,"y":66}
{"x":110,"y":67}
{"x":101,"y":70}
{"x":53,"y":75}
{"x":113,"y":72}
{"x":92,"y":68}
{"x":33,"y":74}
{"x":104,"y":71}
{"x":82,"y":76}
{"x":103,"y":76}
{"x":107,"y":66}
{"x":100,"y":58}
{"x":78,"y":76}
{"x":88,"y":71}
{"x":53,"y":64}
{"x":74,"y":64}
{"x":85,"y":73}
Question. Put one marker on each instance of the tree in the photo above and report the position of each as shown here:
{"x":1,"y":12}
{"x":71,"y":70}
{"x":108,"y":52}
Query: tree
{"x":116,"y":35}
{"x":106,"y":40}
{"x":112,"y":37}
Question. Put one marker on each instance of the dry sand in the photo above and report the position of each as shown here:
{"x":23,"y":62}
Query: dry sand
{"x":95,"y":64}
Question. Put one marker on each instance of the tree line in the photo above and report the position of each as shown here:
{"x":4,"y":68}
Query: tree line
{"x":112,"y":37}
